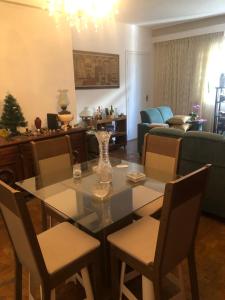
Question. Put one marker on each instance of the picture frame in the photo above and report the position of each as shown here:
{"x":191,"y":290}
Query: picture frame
{"x":94,"y":70}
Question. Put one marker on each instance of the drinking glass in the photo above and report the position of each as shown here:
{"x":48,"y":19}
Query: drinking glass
{"x":77,"y":171}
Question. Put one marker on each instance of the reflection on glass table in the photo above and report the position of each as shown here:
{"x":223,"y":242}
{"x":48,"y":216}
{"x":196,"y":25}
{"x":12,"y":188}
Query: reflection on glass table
{"x":93,"y":205}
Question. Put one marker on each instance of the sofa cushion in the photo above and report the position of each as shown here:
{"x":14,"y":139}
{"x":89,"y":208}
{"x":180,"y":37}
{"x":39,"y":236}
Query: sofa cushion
{"x":183,"y":127}
{"x":151,"y":115}
{"x":170,"y":132}
{"x":204,"y":147}
{"x":199,"y":148}
{"x":154,"y":125}
{"x":178,"y":120}
{"x":166,"y":112}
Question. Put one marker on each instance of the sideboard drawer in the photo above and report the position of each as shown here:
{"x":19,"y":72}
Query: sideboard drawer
{"x":10,"y":159}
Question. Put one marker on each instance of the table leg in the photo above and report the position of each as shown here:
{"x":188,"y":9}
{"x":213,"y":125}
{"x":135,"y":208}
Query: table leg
{"x":147,"y":289}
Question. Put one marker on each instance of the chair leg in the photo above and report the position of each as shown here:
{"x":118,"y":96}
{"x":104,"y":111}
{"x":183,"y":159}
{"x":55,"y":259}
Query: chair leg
{"x":34,"y":288}
{"x":72,"y":279}
{"x":53,"y":297}
{"x":147,"y":289}
{"x":122,"y":277}
{"x":115,"y":284}
{"x":87,"y":284}
{"x":97,"y":278}
{"x":49,"y":221}
{"x":44,"y":217}
{"x":18,"y":279}
{"x":181,"y":281}
{"x":47,"y":294}
{"x":193,"y":276}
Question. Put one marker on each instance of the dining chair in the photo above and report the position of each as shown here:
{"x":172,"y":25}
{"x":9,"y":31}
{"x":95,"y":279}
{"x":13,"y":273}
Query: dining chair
{"x":155,"y":248}
{"x":160,"y":160}
{"x":53,"y":162}
{"x":52,"y":256}
{"x":53,"y":159}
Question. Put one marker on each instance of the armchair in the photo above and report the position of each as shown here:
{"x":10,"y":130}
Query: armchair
{"x":150,"y":118}
{"x":161,"y":116}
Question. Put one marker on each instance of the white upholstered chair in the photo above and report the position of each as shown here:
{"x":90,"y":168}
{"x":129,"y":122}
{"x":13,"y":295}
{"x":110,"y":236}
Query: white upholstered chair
{"x":160,"y":160}
{"x":52,"y":256}
{"x":53,"y":162}
{"x":155,"y":248}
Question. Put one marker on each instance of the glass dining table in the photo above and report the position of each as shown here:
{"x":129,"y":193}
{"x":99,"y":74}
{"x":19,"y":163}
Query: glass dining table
{"x":97,"y":208}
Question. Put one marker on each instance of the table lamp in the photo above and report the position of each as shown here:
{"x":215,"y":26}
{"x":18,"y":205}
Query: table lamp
{"x":86,"y":116}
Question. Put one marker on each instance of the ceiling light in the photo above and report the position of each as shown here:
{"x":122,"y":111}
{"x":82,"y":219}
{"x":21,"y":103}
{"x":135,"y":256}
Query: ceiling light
{"x":82,"y":13}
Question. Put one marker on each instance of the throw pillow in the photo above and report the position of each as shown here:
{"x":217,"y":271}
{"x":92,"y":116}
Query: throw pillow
{"x":183,"y":127}
{"x":153,"y":125}
{"x":178,"y":120}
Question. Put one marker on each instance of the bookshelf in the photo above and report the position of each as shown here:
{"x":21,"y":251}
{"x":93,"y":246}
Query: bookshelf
{"x":118,"y":126}
{"x":219,"y":111}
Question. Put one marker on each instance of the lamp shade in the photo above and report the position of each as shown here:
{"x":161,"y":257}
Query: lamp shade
{"x":86,"y":112}
{"x":63,"y":100}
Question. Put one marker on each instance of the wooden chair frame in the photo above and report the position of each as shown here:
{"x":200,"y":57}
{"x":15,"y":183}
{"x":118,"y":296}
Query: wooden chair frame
{"x":153,"y":143}
{"x":15,"y":202}
{"x":165,"y":146}
{"x":40,"y":151}
{"x":176,"y":193}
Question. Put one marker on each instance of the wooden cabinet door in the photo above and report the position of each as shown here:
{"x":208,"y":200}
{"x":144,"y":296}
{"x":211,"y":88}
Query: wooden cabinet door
{"x":78,"y":143}
{"x":10,"y":159}
{"x":27,"y":160}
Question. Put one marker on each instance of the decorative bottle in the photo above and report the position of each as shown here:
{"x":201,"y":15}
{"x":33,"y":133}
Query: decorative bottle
{"x":112,"y":112}
{"x":104,"y":168}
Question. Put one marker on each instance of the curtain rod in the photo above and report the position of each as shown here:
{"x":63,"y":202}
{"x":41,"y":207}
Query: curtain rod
{"x":21,"y":4}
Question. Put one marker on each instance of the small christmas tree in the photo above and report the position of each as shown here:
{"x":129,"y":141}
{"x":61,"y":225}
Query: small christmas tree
{"x":12,"y":115}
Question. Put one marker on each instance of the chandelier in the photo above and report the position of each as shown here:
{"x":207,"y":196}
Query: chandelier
{"x":81,"y":13}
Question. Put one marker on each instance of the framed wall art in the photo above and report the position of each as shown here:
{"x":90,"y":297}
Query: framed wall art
{"x":94,"y":70}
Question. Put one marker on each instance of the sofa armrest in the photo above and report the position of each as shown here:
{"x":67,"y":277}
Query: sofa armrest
{"x":142,"y":129}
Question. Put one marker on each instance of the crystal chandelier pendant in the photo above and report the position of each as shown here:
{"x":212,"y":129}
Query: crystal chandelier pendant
{"x":82,"y":13}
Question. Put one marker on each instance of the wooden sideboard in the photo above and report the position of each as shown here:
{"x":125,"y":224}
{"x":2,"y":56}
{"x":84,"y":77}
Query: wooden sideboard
{"x":16,"y":160}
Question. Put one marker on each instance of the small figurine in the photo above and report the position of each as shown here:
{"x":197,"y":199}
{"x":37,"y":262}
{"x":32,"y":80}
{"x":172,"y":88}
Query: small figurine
{"x":37,"y":123}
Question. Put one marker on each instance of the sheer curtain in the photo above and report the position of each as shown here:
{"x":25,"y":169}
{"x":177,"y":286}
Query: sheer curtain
{"x":183,"y":73}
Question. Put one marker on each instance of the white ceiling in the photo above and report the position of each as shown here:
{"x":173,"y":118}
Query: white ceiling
{"x":153,"y":12}
{"x":156,"y":12}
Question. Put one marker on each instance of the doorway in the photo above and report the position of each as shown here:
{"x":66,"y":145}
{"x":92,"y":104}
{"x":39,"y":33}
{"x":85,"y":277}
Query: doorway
{"x":138,"y":88}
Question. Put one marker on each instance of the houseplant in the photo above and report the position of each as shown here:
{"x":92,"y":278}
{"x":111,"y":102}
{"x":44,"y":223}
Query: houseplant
{"x":195,"y":112}
{"x":12,"y":116}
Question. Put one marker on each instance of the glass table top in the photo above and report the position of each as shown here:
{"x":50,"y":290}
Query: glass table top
{"x":96,"y":205}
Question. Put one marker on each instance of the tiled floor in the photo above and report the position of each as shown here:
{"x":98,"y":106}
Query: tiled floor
{"x":210,"y":252}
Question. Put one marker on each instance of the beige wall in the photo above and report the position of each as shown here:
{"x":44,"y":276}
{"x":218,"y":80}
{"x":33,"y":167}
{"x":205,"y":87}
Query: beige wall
{"x":35,"y":60}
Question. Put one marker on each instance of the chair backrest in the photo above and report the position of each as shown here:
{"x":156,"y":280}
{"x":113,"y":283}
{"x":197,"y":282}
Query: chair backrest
{"x":160,"y":157}
{"x":53,"y":159}
{"x":166,"y":112}
{"x":151,"y":115}
{"x":179,"y":219}
{"x":21,"y":232}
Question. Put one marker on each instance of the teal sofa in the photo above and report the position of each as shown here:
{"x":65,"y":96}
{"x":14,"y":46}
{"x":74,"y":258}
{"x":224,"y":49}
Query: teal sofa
{"x":197,"y":149}
{"x":152,"y":116}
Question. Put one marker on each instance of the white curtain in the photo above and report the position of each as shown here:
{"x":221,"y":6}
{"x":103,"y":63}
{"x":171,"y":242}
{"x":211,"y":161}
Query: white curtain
{"x":183,"y":73}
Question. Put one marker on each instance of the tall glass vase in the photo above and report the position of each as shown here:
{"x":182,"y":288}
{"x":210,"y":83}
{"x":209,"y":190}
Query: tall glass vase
{"x":104,"y":168}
